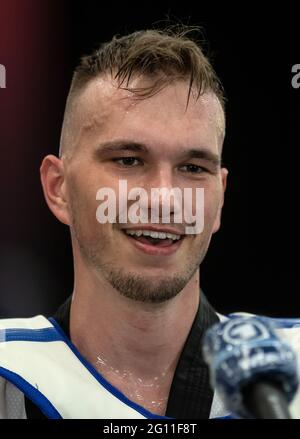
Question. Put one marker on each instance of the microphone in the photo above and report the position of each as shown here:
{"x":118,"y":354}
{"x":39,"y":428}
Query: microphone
{"x":254,"y":371}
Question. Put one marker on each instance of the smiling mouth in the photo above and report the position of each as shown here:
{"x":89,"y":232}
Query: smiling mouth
{"x":155,"y":242}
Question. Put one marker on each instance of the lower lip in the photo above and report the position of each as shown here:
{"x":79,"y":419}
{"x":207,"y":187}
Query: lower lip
{"x":153,"y":249}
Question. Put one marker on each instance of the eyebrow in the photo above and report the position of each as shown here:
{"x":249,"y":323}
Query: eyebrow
{"x":119,"y":146}
{"x":203,"y":154}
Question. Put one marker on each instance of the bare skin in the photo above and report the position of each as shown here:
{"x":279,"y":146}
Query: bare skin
{"x":134,"y":341}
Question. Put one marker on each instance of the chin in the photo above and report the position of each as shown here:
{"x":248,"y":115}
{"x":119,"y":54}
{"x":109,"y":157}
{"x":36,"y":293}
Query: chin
{"x":154,"y":271}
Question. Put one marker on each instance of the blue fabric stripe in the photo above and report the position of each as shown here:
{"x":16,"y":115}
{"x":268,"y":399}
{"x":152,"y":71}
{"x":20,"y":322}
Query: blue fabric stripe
{"x":33,"y":393}
{"x":224,"y":417}
{"x":102,"y":380}
{"x":16,"y":334}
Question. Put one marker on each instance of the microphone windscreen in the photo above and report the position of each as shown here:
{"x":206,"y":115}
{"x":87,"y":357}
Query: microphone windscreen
{"x":244,"y":350}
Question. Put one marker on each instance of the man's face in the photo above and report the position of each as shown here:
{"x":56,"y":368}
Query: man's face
{"x":166,"y":130}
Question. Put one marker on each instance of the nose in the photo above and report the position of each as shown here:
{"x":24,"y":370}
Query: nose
{"x":161,"y":176}
{"x":162,"y":195}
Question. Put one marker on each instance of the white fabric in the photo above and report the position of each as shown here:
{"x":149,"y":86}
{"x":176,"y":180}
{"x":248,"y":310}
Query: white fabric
{"x":38,"y":322}
{"x":218,"y":409}
{"x":12,"y":404}
{"x":71,"y":387}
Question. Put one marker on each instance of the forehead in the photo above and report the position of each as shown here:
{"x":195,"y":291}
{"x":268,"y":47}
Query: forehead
{"x":164,"y":118}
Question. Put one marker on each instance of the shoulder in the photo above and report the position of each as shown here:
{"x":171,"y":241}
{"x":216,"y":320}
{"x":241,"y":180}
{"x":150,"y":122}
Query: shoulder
{"x":37,"y":322}
{"x":12,"y":404}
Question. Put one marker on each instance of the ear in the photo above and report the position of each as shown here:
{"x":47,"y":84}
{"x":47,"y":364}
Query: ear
{"x":53,"y":182}
{"x":217,"y":223}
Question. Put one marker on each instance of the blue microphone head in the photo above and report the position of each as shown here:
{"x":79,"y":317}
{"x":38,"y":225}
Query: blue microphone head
{"x":243,"y":350}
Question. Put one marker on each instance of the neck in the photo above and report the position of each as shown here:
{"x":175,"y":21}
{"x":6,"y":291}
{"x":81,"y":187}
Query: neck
{"x":118,"y":334}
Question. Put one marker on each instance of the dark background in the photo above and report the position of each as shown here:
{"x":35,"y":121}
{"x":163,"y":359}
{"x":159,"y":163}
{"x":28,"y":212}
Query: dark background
{"x":252,"y":264}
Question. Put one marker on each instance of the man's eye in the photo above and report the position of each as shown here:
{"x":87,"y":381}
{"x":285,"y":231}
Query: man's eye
{"x":126,"y":161}
{"x":194,"y":169}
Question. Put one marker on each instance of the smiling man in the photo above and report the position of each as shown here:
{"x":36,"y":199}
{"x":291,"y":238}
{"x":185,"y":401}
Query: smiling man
{"x":145,"y":112}
{"x":146,"y":108}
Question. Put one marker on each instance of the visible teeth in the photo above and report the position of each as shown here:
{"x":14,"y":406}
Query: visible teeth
{"x":160,"y":235}
{"x":171,"y":236}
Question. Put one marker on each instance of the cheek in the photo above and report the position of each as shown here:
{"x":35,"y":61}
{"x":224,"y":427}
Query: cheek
{"x":83,"y":203}
{"x":83,"y":185}
{"x":211,"y":207}
{"x":205,"y":203}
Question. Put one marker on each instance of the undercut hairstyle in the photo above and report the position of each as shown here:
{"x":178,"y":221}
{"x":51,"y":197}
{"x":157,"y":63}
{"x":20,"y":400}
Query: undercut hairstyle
{"x":163,"y":56}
